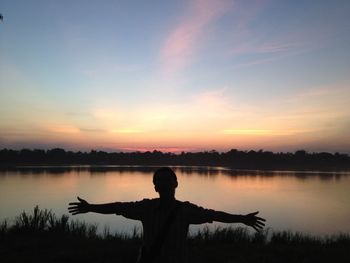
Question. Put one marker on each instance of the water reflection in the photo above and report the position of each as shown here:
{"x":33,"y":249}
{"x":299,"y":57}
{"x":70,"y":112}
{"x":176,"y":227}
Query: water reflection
{"x":314,"y":202}
{"x":185,"y":170}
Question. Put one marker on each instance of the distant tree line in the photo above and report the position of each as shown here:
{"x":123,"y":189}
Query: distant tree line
{"x":237,"y":159}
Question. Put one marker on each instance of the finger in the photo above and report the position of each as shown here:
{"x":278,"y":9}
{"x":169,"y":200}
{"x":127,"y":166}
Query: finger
{"x":81,"y":200}
{"x":260,"y":218}
{"x":256,"y":229}
{"x":78,"y":205}
{"x":255,"y":213}
{"x":257,"y":226}
{"x":74,"y":210}
{"x":260,"y":223}
{"x":75,"y":203}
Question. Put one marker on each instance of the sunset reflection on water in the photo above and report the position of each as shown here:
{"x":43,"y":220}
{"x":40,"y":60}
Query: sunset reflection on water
{"x":308,"y":202}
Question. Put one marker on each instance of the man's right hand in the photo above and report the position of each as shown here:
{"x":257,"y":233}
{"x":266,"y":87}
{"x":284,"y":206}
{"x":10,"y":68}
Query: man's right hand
{"x":80,"y":207}
{"x":254,"y":221}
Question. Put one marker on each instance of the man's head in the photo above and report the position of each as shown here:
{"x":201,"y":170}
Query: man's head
{"x":165,"y":182}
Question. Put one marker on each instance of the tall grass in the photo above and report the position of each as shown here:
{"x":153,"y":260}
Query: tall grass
{"x":60,"y":239}
{"x":42,"y":221}
{"x":3,"y":227}
{"x":45,"y":221}
{"x":230,"y":235}
{"x":35,"y":222}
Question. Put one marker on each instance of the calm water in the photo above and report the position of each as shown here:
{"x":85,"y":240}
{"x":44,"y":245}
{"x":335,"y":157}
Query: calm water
{"x":316,"y":203}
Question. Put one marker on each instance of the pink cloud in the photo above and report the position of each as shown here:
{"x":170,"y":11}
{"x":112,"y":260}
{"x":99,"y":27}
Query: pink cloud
{"x":180,"y":45}
{"x":216,"y":99}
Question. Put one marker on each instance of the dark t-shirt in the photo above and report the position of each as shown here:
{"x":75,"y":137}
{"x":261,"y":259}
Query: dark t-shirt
{"x":152,"y":217}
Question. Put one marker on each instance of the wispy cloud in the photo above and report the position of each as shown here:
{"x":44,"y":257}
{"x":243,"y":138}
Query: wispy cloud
{"x":126,"y":131}
{"x":267,"y":47}
{"x":63,"y":129}
{"x":262,"y":132}
{"x":92,"y":130}
{"x":184,"y":39}
{"x":213,"y":99}
{"x":336,"y":92}
{"x":259,"y":47}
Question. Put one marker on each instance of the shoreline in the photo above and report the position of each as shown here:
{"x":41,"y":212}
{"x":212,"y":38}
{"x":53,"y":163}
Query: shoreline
{"x":300,"y":160}
{"x":151,"y":167}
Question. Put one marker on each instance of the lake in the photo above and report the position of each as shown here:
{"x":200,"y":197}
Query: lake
{"x":309,"y":202}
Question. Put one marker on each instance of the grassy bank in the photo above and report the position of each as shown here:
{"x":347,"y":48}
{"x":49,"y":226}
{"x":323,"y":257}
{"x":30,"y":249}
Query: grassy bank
{"x":43,"y":237}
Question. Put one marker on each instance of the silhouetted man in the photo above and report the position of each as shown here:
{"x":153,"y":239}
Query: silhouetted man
{"x":165,"y":220}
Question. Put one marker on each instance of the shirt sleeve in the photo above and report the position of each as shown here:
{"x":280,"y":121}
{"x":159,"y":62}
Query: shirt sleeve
{"x":133,"y":210}
{"x":197,"y":214}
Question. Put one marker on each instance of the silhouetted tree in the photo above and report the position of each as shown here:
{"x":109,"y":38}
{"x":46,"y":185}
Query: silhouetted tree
{"x":234,"y":158}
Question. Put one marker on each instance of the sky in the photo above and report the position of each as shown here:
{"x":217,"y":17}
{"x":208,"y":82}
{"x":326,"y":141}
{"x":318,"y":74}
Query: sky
{"x":175,"y":75}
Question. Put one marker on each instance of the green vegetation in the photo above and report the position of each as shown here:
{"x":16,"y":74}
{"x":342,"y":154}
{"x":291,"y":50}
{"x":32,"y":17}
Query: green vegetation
{"x":43,"y":237}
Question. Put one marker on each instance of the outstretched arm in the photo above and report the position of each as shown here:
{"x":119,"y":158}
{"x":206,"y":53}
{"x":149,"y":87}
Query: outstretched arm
{"x":83,"y":206}
{"x":249,"y":219}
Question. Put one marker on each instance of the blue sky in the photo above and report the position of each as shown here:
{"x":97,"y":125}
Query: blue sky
{"x":175,"y":75}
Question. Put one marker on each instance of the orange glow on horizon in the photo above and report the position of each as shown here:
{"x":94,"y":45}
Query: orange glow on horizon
{"x":160,"y":149}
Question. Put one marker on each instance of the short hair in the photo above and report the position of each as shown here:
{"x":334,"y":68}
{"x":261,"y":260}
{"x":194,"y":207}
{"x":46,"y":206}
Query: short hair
{"x":164,"y":172}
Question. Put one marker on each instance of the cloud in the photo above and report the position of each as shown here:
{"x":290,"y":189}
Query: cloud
{"x":126,"y":131}
{"x":215,"y":98}
{"x":63,"y":129}
{"x":263,"y":45}
{"x":266,"y":47}
{"x":202,"y":112}
{"x":105,"y":113}
{"x":180,"y":45}
{"x":336,"y":91}
{"x":91,"y":130}
{"x":262,"y":132}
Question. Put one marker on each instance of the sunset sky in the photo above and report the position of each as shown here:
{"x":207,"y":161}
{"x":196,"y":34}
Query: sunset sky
{"x":175,"y":75}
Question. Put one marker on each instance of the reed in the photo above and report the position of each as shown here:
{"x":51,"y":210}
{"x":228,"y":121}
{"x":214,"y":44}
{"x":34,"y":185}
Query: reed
{"x":45,"y":221}
{"x":60,"y":239}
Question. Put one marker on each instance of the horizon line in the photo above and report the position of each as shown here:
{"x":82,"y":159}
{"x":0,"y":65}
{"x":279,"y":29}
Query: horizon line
{"x":152,"y":150}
